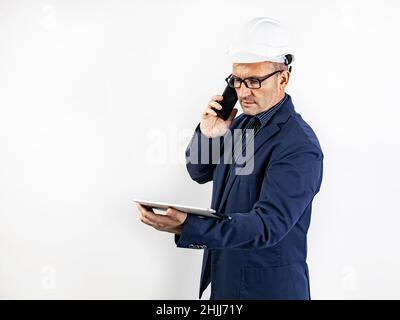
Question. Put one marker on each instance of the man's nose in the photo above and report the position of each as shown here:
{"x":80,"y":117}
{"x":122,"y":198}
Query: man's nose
{"x":243,"y":91}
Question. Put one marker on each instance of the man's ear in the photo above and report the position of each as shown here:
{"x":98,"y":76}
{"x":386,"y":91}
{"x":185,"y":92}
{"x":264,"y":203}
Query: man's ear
{"x":285,"y":76}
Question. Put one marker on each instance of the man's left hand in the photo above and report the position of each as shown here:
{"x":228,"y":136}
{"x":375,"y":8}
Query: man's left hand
{"x":171,"y":222}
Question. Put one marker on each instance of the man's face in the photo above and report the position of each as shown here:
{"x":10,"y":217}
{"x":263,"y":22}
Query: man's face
{"x":254,"y":101}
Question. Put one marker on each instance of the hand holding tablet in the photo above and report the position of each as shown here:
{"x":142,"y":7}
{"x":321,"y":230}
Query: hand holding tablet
{"x":205,"y":212}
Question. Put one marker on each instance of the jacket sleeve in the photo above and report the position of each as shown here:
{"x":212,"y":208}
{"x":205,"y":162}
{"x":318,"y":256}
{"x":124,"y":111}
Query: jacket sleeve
{"x":202,"y":155}
{"x":289,"y":185}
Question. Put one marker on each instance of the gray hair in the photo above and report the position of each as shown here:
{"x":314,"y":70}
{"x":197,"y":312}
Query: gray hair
{"x":279,"y":66}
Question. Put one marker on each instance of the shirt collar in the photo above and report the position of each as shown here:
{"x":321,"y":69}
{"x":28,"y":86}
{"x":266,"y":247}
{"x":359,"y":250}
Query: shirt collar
{"x":264,"y":116}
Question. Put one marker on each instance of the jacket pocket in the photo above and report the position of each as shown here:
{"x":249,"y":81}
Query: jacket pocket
{"x":274,"y":283}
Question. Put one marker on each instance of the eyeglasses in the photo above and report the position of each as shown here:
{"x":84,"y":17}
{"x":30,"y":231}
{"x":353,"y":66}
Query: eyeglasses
{"x":251,"y":83}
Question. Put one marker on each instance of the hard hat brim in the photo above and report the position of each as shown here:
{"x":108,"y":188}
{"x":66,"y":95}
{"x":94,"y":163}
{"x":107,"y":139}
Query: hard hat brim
{"x":248,"y":57}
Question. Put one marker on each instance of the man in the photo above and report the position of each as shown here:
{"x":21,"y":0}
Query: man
{"x":258,"y":250}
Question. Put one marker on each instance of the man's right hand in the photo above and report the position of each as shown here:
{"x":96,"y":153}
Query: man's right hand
{"x":211,"y":125}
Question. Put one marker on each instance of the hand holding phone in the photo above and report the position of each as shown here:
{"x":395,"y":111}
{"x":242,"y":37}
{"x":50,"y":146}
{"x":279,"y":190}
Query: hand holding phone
{"x":219,"y":113}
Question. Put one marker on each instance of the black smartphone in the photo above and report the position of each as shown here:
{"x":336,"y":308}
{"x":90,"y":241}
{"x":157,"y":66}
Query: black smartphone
{"x":227,"y":103}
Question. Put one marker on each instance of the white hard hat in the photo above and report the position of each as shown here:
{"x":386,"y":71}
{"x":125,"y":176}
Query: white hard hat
{"x":261,"y":39}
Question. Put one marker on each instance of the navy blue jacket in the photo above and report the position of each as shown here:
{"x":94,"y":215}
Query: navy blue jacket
{"x":259,"y":250}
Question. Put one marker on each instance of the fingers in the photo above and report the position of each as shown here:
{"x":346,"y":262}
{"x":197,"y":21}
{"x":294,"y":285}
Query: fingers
{"x":158,"y":221}
{"x":146,"y":221}
{"x":151,"y":219}
{"x":143,"y":218}
{"x":143,"y":208}
{"x":209,"y":111}
{"x":176,"y":215}
{"x":171,"y":213}
{"x":155,"y":218}
{"x":144,"y":214}
{"x":140,"y":208}
{"x":217,"y":98}
{"x":213,"y":104}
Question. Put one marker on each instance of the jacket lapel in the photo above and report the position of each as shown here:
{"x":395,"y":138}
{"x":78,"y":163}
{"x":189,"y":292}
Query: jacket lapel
{"x":222,"y":169}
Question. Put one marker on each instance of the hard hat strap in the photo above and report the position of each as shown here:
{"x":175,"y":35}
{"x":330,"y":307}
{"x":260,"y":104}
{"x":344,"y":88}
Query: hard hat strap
{"x":288,"y":60}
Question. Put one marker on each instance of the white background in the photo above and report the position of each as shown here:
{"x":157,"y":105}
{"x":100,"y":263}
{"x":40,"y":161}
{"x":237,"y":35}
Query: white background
{"x":98,"y":100}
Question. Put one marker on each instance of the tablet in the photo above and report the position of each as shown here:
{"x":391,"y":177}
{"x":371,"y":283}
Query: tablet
{"x":206,"y":212}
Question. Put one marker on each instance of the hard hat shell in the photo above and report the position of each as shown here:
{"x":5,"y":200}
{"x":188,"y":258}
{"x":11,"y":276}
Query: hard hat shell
{"x":261,"y":39}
